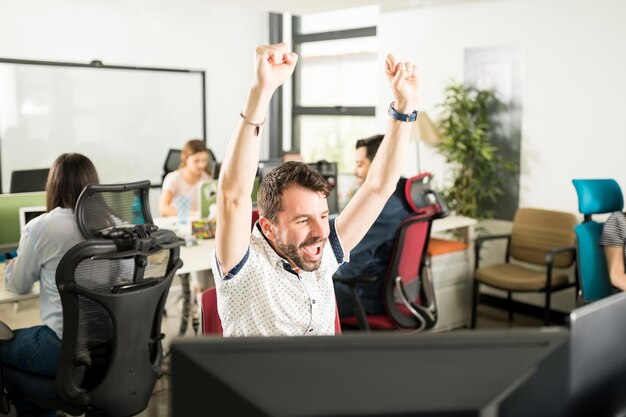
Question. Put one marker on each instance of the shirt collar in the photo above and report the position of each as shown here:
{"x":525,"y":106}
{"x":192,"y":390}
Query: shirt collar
{"x":273,"y":257}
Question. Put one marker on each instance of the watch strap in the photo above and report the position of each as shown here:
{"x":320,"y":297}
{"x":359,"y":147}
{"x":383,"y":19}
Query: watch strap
{"x":403,"y":117}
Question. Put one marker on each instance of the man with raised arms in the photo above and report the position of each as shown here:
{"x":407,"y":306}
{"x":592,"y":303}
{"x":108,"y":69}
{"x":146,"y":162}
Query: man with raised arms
{"x":278,"y":280}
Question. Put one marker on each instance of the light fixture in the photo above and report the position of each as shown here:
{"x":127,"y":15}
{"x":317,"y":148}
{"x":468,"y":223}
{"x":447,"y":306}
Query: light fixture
{"x":425,"y":130}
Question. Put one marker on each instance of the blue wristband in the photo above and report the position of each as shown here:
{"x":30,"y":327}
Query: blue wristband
{"x":403,"y":117}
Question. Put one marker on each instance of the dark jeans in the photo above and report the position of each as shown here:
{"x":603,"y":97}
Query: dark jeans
{"x":34,"y":349}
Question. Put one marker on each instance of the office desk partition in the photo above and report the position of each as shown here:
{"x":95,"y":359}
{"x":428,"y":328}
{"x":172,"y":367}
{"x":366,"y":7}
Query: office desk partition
{"x":9,"y":215}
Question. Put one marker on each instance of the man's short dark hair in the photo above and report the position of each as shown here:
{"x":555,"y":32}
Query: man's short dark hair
{"x":372,"y":143}
{"x":287,"y":174}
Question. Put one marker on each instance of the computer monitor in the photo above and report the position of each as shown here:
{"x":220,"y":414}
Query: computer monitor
{"x":28,"y":213}
{"x":207,"y":197}
{"x":597,"y":356}
{"x":266,"y":166}
{"x":378,"y":374}
{"x":586,"y":376}
{"x":330,"y":174}
{"x":171,"y":163}
{"x":29,"y":180}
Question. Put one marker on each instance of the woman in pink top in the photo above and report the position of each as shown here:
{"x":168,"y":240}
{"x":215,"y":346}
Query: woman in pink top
{"x":193,"y":171}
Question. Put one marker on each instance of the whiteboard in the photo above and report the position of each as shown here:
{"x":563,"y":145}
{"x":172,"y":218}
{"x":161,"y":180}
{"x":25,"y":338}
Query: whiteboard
{"x":123,"y":118}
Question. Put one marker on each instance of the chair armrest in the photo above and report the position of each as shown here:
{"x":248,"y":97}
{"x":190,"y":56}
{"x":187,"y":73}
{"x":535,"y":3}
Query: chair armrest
{"x":478,"y":244}
{"x":552,"y":253}
{"x":6,"y":334}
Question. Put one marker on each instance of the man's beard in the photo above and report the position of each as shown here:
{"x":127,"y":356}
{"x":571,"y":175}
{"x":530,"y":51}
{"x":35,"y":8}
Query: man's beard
{"x":292,"y":254}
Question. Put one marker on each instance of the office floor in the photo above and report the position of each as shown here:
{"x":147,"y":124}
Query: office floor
{"x":27,"y":314}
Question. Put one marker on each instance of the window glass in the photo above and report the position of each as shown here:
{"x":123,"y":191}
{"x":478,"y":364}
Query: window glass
{"x":333,"y":138}
{"x":339,"y":72}
{"x":340,"y":19}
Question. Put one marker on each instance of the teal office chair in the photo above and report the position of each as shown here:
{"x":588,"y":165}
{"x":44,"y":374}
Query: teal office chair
{"x":595,"y":196}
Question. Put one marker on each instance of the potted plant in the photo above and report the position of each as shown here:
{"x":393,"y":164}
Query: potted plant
{"x":475,"y":164}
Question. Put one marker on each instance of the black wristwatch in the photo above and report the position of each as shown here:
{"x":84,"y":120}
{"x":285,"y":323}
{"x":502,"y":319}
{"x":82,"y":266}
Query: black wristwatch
{"x":403,"y":117}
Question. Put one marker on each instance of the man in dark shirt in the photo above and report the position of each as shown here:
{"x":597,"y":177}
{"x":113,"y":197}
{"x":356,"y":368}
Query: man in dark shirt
{"x":371,"y":255}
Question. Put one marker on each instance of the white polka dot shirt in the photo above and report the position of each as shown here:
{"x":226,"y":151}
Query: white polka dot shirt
{"x":263,"y":296}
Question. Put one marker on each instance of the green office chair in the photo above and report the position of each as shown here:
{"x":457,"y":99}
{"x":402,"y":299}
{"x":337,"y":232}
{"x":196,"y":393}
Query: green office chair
{"x":113,"y":287}
{"x":595,"y":196}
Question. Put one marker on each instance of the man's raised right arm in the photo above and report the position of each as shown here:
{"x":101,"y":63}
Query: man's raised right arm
{"x":274,"y":64}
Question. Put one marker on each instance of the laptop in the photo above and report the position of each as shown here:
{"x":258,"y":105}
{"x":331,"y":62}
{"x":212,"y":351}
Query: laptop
{"x":26,"y":214}
{"x":207,"y":197}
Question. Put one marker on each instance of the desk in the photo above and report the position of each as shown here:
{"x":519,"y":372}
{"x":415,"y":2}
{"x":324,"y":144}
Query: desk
{"x":461,"y":224}
{"x":197,"y":257}
{"x":7,"y":296}
{"x":451,"y":273}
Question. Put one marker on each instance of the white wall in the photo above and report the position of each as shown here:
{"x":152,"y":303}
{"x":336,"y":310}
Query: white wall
{"x":189,"y":34}
{"x":574,"y":86}
{"x":573,"y":58}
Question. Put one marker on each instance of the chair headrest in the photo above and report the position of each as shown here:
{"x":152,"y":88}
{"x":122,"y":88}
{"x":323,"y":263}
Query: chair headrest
{"x":596,"y":196}
{"x":101,"y":207}
{"x":422,"y":198}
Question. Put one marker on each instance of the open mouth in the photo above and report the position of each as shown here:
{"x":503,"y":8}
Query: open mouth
{"x":313,"y":252}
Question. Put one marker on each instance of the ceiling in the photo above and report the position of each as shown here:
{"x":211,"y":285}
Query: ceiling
{"x":314,"y":6}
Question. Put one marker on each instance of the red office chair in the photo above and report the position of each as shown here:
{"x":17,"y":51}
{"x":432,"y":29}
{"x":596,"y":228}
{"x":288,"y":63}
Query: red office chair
{"x":408,"y":289}
{"x":211,"y":323}
{"x":255,"y":217}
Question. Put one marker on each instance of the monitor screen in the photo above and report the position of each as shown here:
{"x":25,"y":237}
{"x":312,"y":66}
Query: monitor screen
{"x":266,"y":166}
{"x":379,"y":374}
{"x":29,"y":213}
{"x":29,"y":180}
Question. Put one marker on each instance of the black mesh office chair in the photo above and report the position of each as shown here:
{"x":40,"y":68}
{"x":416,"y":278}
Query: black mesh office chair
{"x":172,"y":162}
{"x":113,"y":288}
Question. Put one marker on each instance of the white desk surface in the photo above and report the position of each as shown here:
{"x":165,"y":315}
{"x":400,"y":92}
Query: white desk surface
{"x":452,"y":222}
{"x":195,"y":258}
{"x":8,"y":297}
{"x":198,"y":257}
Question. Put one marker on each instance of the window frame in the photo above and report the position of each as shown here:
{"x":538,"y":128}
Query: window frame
{"x":297,"y":39}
